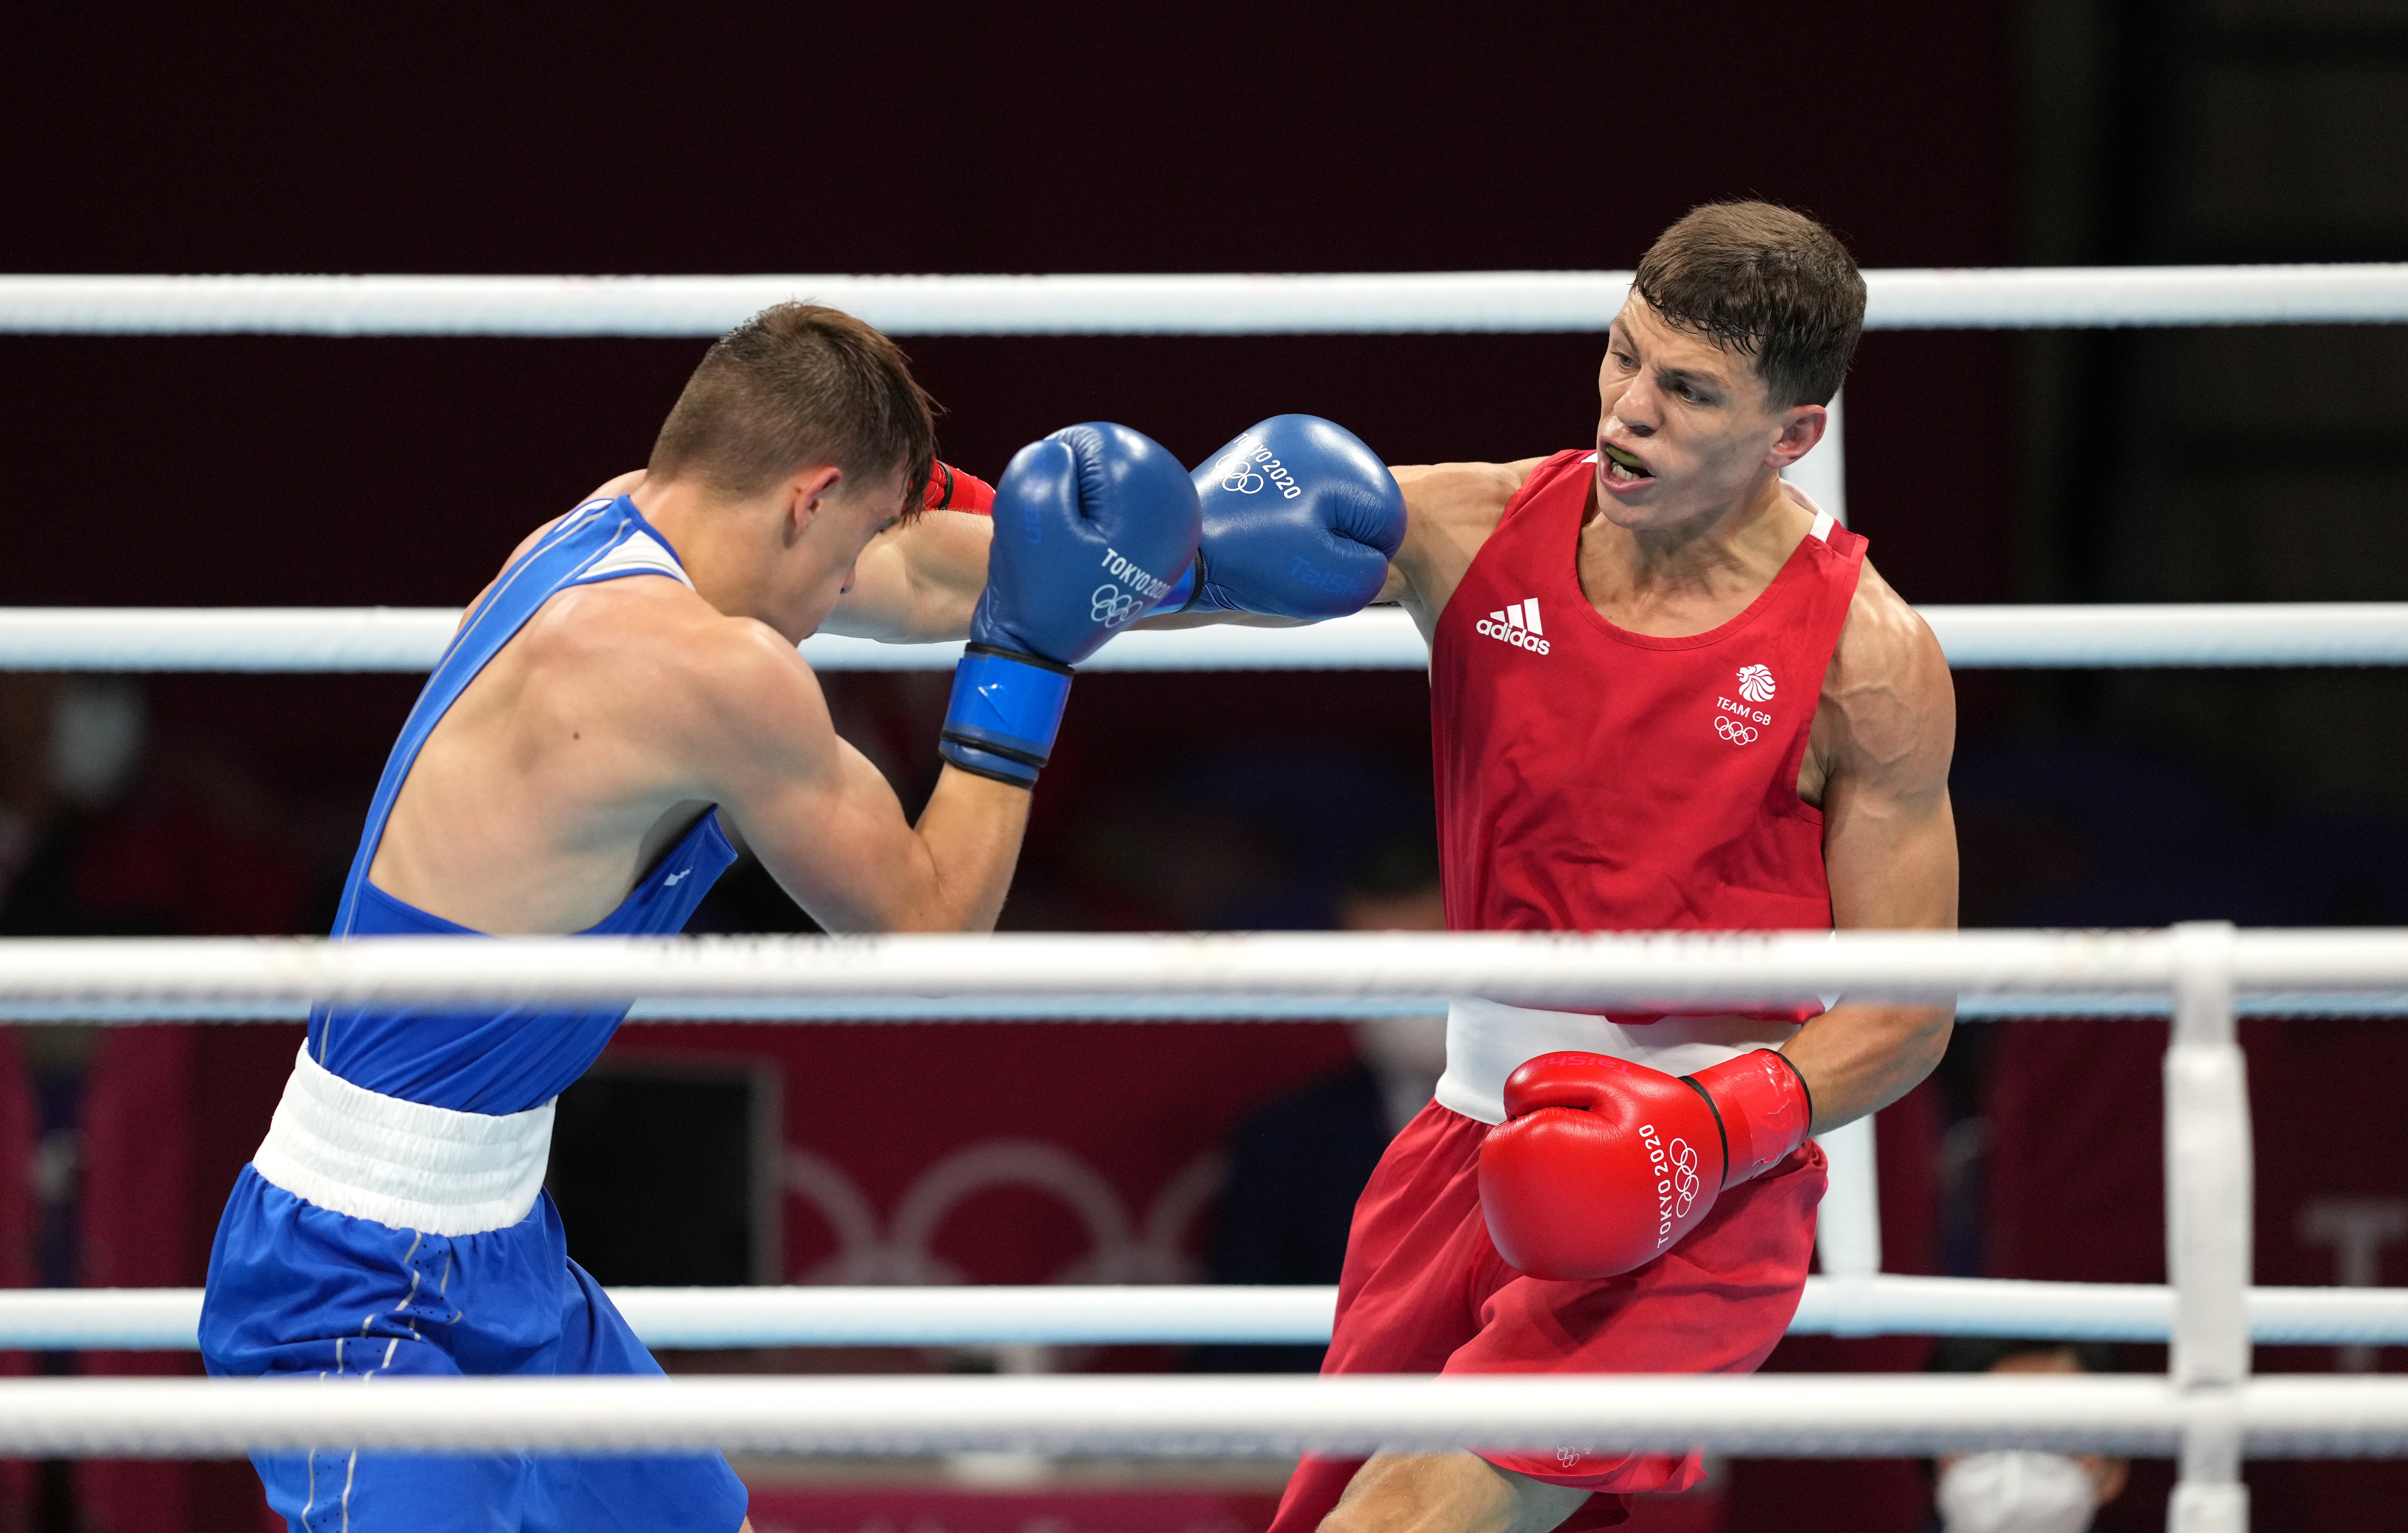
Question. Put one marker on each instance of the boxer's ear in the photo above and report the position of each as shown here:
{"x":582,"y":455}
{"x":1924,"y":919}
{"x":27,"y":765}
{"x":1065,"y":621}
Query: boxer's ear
{"x":1801,"y":427}
{"x":808,"y":492}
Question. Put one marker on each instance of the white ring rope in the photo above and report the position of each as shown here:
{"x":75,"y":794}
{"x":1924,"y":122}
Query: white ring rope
{"x":168,"y":1319}
{"x":1376,"y":303}
{"x":1181,"y":1007}
{"x":1847,"y":1415}
{"x":1161,"y":973}
{"x":412,"y":639}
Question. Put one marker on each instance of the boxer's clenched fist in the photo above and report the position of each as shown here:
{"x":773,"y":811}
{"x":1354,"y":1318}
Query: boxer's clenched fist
{"x":1602,"y":1165}
{"x":1300,"y":520}
{"x":955,"y":490}
{"x":1091,"y":526}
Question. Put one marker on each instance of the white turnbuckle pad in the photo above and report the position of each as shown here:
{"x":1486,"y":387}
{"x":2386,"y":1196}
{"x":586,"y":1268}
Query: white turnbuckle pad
{"x":403,"y":1164}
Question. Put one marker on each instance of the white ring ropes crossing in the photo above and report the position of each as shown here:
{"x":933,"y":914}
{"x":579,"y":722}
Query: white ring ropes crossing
{"x":2208,"y":1405}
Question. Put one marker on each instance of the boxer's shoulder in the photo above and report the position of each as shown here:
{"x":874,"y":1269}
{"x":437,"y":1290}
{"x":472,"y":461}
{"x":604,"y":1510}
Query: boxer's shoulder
{"x":1884,"y":639}
{"x":1888,"y":704}
{"x":651,"y":649}
{"x":1449,"y":511}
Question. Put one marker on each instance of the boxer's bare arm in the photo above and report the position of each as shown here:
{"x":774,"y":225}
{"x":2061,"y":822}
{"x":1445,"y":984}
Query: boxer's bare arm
{"x":622,"y":713}
{"x":825,"y":824}
{"x":1454,"y":1492}
{"x":1449,"y":511}
{"x":1877,"y":762}
{"x":917,"y":581}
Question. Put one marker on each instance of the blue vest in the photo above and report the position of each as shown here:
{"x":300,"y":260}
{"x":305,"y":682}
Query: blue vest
{"x":507,"y":1061}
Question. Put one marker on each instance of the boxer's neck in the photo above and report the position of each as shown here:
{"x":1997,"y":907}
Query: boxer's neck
{"x":758,"y":557}
{"x":1674,"y":579}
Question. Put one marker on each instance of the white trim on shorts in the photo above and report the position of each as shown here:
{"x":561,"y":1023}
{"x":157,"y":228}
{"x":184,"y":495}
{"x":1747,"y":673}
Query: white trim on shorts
{"x":403,"y":1164}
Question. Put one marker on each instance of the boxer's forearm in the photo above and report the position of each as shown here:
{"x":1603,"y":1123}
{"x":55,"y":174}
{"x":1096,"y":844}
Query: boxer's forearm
{"x":971,"y":829}
{"x":849,"y":858}
{"x":1859,"y":1059}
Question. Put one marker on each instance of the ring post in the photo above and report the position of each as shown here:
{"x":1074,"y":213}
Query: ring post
{"x":1847,"y":1227}
{"x":2208,"y":1228}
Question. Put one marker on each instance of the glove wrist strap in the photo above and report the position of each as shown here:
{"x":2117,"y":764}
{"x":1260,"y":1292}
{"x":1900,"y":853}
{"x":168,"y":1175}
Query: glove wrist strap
{"x":1186,"y":593}
{"x":1006,"y":709}
{"x":1765,"y":1109}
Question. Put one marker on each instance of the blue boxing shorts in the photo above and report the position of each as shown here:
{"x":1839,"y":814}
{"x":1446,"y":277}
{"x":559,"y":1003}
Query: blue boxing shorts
{"x":373,"y":1236}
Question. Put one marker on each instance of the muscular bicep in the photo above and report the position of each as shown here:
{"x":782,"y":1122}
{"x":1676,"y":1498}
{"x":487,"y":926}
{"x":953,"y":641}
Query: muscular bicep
{"x":1889,"y":835}
{"x":835,"y":838}
{"x":918,"y":582}
{"x":812,"y":808}
{"x":1889,"y":842}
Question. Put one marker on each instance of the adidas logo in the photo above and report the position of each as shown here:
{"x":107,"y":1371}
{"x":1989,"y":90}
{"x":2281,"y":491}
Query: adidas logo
{"x":1518,"y":624}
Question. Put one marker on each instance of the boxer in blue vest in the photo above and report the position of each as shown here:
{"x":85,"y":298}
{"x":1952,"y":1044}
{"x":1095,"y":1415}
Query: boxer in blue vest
{"x":622,"y":713}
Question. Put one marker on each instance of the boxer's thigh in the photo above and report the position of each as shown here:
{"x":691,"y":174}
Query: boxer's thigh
{"x":1716,"y":1303}
{"x":1419,"y":1262}
{"x":652,"y":1493}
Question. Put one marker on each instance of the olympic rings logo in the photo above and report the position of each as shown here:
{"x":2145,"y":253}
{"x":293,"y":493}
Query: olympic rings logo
{"x":1239,"y":477}
{"x":1110,"y":608}
{"x":1735,"y":731}
{"x":1684,"y":1176}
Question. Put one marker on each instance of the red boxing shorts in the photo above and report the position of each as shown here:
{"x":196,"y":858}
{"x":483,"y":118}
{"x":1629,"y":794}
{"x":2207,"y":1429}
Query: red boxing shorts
{"x":1423,"y":1291}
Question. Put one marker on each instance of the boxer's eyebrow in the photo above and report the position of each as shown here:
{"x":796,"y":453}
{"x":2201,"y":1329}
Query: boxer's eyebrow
{"x":1697,"y":382}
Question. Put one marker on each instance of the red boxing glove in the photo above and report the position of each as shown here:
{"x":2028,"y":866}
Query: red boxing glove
{"x":951,"y":489}
{"x":1601,"y":1165}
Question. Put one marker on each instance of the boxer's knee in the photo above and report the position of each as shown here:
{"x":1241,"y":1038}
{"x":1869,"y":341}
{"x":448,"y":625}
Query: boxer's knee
{"x":1448,"y":1492}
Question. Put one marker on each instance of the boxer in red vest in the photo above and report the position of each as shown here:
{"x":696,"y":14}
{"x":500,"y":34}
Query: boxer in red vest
{"x":1667,"y":693}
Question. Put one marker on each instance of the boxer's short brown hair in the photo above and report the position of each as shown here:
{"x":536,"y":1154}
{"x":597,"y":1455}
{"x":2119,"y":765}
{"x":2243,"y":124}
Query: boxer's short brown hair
{"x":794,"y":386}
{"x":1766,"y":282}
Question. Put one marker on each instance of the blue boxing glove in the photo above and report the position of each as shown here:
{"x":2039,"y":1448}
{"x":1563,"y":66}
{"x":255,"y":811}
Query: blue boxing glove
{"x":1091,"y":526}
{"x":1300,"y":520}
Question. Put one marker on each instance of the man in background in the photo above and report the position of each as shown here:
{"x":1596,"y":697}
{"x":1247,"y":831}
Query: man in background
{"x":2012,"y":1491}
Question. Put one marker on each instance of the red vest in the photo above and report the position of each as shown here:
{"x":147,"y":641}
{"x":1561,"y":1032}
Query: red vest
{"x":1594,"y":780}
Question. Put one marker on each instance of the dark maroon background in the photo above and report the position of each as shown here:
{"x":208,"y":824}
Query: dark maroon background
{"x":850,"y":138}
{"x":859,"y":138}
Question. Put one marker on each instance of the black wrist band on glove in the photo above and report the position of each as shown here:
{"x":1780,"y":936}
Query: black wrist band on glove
{"x":1720,"y":1131}
{"x":960,"y":761}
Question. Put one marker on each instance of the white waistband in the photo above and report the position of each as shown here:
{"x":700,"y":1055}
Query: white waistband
{"x":403,"y":1164}
{"x":1486,"y":1041}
